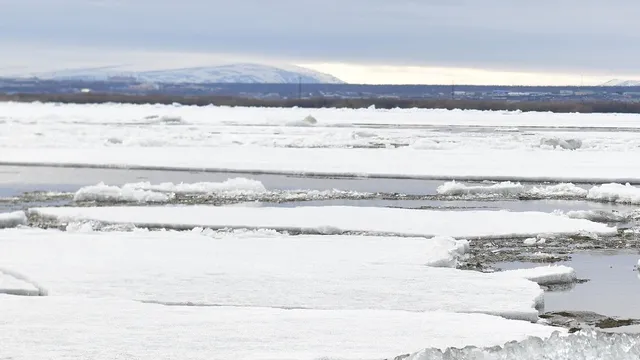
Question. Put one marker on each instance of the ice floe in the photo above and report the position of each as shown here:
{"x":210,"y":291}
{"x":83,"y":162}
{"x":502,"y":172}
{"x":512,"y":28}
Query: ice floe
{"x":544,"y":275}
{"x":200,"y":333}
{"x":288,"y":272}
{"x":336,"y":220}
{"x":12,"y":219}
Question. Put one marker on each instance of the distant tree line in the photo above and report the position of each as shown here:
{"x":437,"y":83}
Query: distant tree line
{"x":382,"y":103}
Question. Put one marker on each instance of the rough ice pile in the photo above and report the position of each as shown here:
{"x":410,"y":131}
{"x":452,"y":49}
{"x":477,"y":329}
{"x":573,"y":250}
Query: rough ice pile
{"x":617,"y":193}
{"x":336,"y":220}
{"x":106,"y":193}
{"x":232,"y":189}
{"x":583,"y":345}
{"x":613,"y":192}
{"x":506,"y":188}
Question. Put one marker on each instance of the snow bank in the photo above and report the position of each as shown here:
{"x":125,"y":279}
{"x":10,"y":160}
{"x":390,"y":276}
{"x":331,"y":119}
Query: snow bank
{"x":106,"y":193}
{"x":582,"y":345}
{"x":336,"y":220}
{"x":544,"y":275}
{"x":617,"y":193}
{"x":237,"y":333}
{"x":506,"y":188}
{"x":477,"y":165}
{"x":289,"y":272}
{"x":12,"y":219}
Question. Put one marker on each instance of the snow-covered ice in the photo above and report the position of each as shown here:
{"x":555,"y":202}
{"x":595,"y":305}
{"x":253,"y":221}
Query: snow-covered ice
{"x":12,"y":219}
{"x":289,"y":272}
{"x":336,"y":220}
{"x":544,"y":275}
{"x":102,"y":328}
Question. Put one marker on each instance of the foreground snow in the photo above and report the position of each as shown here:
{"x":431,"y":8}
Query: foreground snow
{"x":336,"y":220}
{"x":395,"y":163}
{"x":264,"y":270}
{"x":200,"y":333}
{"x":12,"y":219}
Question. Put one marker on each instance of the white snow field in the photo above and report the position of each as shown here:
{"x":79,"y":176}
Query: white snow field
{"x":274,"y":271}
{"x":336,"y":220}
{"x":102,"y":329}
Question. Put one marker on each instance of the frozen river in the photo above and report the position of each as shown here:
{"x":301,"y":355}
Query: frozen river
{"x":356,"y":234}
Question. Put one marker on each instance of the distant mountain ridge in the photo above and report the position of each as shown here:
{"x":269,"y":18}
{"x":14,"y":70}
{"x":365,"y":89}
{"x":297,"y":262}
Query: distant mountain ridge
{"x":618,"y":82}
{"x":230,"y":73}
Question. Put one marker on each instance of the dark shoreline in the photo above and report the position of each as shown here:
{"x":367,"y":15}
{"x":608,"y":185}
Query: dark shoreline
{"x":570,"y":106}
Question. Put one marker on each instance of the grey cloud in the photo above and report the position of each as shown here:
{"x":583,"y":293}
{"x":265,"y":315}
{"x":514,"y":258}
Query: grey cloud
{"x":575,"y":35}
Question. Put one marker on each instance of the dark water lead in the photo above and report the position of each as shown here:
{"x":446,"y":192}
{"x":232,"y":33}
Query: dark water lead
{"x":613,"y":288}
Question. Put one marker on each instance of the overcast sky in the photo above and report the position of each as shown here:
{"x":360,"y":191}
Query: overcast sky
{"x":556,"y":39}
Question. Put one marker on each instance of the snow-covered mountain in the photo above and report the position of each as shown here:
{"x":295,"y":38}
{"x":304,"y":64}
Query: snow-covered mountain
{"x":231,"y":73}
{"x":618,"y":82}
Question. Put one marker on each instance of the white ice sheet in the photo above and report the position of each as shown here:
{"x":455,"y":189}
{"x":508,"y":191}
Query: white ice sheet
{"x":262,"y":269}
{"x":337,"y":219}
{"x":571,"y":166}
